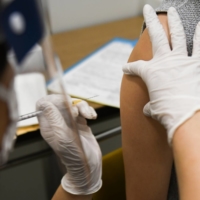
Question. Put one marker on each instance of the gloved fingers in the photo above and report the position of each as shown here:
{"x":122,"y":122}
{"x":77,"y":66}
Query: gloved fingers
{"x":134,"y":68}
{"x":85,"y":110}
{"x":160,"y":43}
{"x":57,"y":99}
{"x":44,"y":124}
{"x":196,"y":42}
{"x":147,"y":110}
{"x":75,"y":111}
{"x":52,"y":122}
{"x":178,"y":37}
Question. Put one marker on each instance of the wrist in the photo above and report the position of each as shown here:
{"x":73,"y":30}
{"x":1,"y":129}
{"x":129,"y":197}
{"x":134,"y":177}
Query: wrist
{"x":186,"y":154}
{"x":188,"y":128}
{"x":173,"y":112}
{"x":83,"y":187}
{"x":62,"y":194}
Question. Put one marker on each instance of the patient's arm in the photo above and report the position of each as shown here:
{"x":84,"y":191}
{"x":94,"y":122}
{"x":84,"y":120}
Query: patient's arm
{"x":147,"y":156}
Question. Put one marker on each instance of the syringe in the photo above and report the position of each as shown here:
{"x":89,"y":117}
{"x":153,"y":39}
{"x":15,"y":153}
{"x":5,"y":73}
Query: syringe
{"x":29,"y":115}
{"x":34,"y":114}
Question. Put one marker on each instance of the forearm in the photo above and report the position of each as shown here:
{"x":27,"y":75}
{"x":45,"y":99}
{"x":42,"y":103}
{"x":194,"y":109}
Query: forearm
{"x":61,"y":194}
{"x":186,"y":149}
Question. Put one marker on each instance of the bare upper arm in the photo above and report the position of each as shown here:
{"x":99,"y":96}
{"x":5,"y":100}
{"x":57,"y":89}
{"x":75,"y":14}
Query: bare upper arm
{"x":146,"y":153}
{"x":142,"y":51}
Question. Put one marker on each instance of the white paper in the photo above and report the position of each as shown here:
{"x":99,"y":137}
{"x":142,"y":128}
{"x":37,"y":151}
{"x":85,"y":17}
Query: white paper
{"x":99,"y":74}
{"x":29,"y":88}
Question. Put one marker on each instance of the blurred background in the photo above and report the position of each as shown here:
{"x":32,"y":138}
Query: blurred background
{"x":68,"y":15}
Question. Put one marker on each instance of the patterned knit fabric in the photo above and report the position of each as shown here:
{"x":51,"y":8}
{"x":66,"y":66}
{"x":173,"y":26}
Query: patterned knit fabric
{"x":189,"y":12}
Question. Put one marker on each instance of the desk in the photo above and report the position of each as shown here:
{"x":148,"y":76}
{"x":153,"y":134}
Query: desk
{"x":74,"y":45}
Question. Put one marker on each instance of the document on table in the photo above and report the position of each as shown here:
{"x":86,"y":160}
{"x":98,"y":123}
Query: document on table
{"x":100,"y":73}
{"x":29,"y":88}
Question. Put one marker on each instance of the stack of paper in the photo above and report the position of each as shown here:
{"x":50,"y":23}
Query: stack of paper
{"x":98,"y":74}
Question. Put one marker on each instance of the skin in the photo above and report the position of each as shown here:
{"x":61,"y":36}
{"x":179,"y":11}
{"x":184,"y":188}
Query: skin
{"x":63,"y":195}
{"x":5,"y":80}
{"x":186,"y":150}
{"x":147,"y":155}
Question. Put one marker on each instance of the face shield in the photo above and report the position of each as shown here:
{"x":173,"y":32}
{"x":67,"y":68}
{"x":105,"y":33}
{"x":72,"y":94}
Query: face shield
{"x":25,"y":28}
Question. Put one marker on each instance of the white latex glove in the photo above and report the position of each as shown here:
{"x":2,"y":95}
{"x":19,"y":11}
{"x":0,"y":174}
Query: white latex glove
{"x":56,"y":130}
{"x":172,"y":78}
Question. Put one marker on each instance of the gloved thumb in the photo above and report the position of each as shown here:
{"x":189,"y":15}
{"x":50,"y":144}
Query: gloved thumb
{"x":134,"y":68}
{"x":85,"y":110}
{"x":147,"y":110}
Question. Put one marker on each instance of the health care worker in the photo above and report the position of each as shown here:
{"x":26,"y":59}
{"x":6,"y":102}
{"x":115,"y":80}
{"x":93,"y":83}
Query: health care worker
{"x":174,"y":102}
{"x":57,"y":133}
{"x":55,"y":130}
{"x":55,"y":120}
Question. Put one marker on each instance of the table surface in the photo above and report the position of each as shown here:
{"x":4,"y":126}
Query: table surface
{"x":73,"y":46}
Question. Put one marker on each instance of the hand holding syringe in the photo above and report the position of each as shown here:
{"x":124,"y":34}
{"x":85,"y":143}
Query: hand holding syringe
{"x":64,"y":127}
{"x":56,"y":129}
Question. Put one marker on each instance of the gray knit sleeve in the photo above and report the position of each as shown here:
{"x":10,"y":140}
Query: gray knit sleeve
{"x":189,"y":12}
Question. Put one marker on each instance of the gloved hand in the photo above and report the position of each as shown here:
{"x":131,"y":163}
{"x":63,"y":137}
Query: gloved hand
{"x":172,"y":78}
{"x":55,"y":129}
